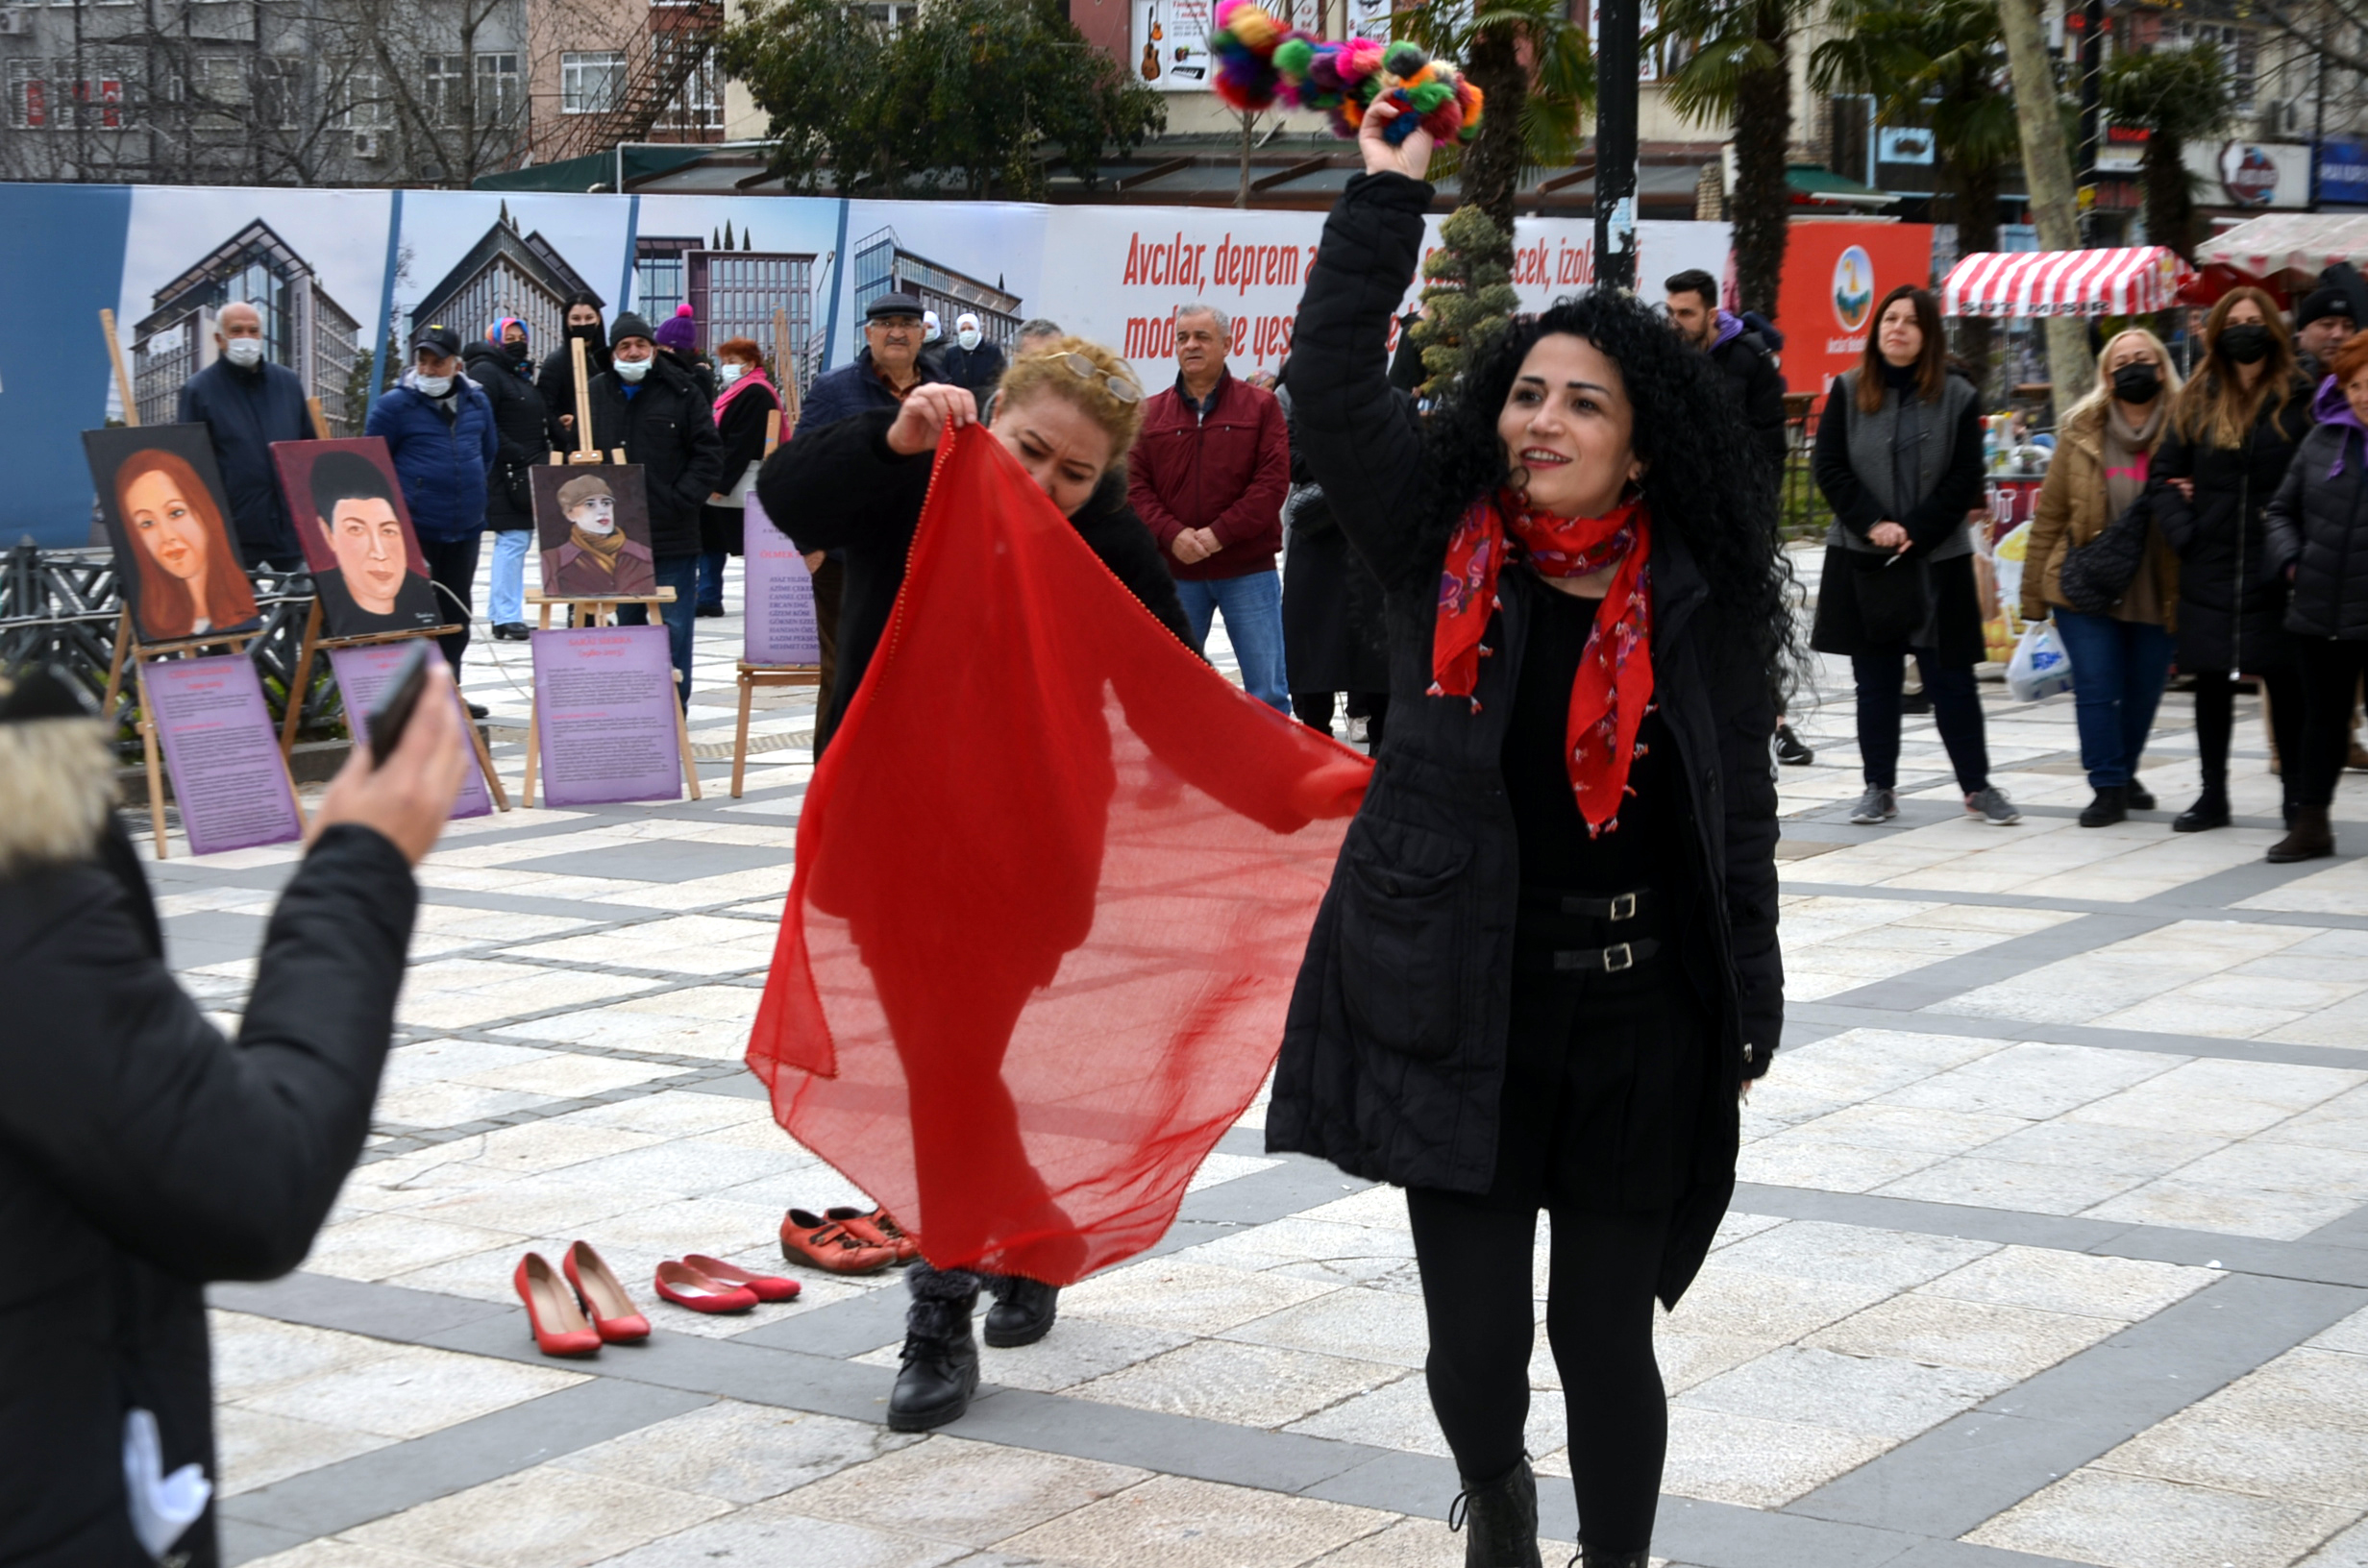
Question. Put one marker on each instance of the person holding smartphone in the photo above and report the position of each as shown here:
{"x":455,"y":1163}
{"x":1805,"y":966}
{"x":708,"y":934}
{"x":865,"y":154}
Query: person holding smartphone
{"x":144,"y":1154}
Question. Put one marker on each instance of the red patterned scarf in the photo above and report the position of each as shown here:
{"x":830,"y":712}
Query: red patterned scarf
{"x":1615,"y":684}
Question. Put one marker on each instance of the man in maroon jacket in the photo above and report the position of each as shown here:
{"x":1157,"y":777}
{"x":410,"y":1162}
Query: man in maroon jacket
{"x":1209,"y":475}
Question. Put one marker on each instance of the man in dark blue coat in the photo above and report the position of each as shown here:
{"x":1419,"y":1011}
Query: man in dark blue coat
{"x":247,"y":403}
{"x":439,"y":427}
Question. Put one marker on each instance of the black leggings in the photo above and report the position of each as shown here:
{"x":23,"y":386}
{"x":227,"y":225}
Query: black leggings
{"x":2329,"y":676}
{"x":1476,"y":1286}
{"x":2215,"y":718}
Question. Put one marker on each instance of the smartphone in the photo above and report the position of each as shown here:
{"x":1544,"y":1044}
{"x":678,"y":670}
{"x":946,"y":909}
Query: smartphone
{"x":393,"y":711}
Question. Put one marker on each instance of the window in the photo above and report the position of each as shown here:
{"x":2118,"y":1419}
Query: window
{"x":362,"y":101}
{"x":894,"y":16}
{"x":278,"y":92}
{"x":218,"y":90}
{"x":591,"y":82}
{"x":699,"y":102}
{"x":444,"y":81}
{"x":498,"y":97}
{"x":28,"y":96}
{"x":657,"y":286}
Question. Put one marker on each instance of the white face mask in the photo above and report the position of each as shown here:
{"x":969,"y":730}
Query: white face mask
{"x":729,"y":371}
{"x":246,"y":352}
{"x":969,"y":337}
{"x":434,"y":386}
{"x":632,"y":369}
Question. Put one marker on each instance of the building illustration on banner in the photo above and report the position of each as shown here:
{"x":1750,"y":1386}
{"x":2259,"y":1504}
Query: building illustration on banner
{"x":504,"y":273}
{"x":732,"y":292}
{"x":884,"y":266}
{"x":303,"y":329}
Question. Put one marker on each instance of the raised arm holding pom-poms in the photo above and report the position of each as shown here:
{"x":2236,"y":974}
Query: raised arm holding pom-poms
{"x":1260,"y":62}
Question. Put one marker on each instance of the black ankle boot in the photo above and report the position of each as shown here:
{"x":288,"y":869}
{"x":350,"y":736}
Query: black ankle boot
{"x":2210,"y":810}
{"x":941,"y":1359}
{"x":1614,"y":1560}
{"x":2310,"y":839}
{"x":2137,"y":797}
{"x":1503,"y":1519}
{"x":1023,"y":1312}
{"x":2111,"y":805}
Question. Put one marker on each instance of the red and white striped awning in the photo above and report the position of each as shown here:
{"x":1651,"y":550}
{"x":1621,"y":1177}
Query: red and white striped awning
{"x":2104,"y":282}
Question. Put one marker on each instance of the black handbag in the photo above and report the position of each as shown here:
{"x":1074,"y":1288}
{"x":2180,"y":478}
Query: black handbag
{"x":2095,"y":576}
{"x":1894,"y":596}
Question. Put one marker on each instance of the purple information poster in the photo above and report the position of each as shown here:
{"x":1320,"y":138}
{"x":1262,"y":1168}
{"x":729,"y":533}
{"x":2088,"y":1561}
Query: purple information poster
{"x":781,"y":596}
{"x":363,"y":674}
{"x":222,"y":751}
{"x":604,"y":705}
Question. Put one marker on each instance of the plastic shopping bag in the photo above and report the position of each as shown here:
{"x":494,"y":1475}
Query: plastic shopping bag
{"x":2040,"y":668}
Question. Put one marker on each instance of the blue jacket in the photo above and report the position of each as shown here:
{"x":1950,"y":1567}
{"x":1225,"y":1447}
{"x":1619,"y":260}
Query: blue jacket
{"x":442,"y":462}
{"x":853,"y":390}
{"x":247,"y":410}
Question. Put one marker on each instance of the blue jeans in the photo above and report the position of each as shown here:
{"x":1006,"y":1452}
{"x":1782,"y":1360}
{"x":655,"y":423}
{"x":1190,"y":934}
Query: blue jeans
{"x":681,"y":572}
{"x":1253,"y":609}
{"x":507,"y":605}
{"x":711,"y":578}
{"x":2118,"y":668}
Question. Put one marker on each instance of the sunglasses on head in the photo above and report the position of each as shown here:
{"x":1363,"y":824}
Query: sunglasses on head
{"x":1085,"y":370}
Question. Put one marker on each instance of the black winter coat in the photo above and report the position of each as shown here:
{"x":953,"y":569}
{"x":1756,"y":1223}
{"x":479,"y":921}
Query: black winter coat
{"x":978,"y":369}
{"x":1333,"y":636}
{"x":557,"y":385}
{"x":521,"y":424}
{"x":2232,"y":600}
{"x":1758,"y":388}
{"x":245,"y":411}
{"x":143,"y":1155}
{"x":668,"y":427}
{"x":1394,"y":1070}
{"x":847,"y":491}
{"x":2318,"y":528}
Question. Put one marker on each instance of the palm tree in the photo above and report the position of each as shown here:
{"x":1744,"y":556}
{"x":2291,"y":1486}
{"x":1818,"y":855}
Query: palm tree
{"x":2175,"y":95}
{"x":1537,"y":76}
{"x":1740,"y":74}
{"x":1945,"y":62}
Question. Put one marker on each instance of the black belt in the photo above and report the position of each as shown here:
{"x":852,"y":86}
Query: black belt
{"x":1623,"y":906}
{"x":1616,"y":959}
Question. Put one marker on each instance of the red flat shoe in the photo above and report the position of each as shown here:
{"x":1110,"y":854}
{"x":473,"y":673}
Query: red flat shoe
{"x":830,"y":1246}
{"x":686,"y":1286}
{"x":763,"y":1286}
{"x":878,"y":1226}
{"x":612,"y":1311}
{"x":558,"y":1324}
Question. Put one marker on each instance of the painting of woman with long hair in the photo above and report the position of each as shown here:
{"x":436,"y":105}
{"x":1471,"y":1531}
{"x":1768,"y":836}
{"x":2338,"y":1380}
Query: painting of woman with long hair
{"x":175,"y":560}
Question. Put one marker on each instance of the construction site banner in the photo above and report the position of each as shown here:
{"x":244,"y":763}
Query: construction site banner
{"x":343,"y":278}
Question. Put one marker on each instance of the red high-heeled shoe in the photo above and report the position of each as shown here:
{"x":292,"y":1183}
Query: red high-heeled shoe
{"x":764,"y":1287}
{"x":558,"y":1324}
{"x":612,"y":1311}
{"x":687,"y":1285}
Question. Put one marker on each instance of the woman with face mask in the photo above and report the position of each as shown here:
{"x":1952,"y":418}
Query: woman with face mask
{"x":558,"y":382}
{"x":2233,"y":434}
{"x":971,"y":362}
{"x":2119,"y":656}
{"x":740,"y":409}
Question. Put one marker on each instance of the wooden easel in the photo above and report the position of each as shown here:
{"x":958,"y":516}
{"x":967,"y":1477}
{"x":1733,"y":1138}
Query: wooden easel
{"x":128,"y":647}
{"x":314,"y":644}
{"x":753,"y":675}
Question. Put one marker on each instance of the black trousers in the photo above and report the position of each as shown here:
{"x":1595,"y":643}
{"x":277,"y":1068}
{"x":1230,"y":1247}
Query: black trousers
{"x":1957,"y":709}
{"x":1476,"y":1264}
{"x":1314,"y":709}
{"x":452,"y":565}
{"x":2215,"y":719}
{"x":2331,"y":674}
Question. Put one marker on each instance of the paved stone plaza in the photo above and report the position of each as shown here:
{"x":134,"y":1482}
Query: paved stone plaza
{"x":2052,"y":1245}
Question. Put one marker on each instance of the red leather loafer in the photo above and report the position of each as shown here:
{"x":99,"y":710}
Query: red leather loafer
{"x":764,"y":1287}
{"x":688,"y":1287}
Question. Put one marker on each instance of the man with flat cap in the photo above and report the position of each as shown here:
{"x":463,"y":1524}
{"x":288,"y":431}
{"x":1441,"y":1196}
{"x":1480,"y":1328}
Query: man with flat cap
{"x":883,"y":374}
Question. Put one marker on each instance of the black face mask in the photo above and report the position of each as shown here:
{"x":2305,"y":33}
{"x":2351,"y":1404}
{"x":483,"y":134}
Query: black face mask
{"x":590,"y":331}
{"x":517,"y":352}
{"x":2137,"y":383}
{"x":2246,"y":345}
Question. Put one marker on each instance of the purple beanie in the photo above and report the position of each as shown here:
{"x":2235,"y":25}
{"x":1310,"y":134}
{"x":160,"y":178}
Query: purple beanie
{"x":679,"y":334}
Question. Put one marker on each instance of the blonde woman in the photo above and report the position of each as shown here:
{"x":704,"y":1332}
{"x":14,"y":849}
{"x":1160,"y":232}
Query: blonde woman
{"x":2120,"y":656}
{"x":1068,"y":413}
{"x":2233,"y":432}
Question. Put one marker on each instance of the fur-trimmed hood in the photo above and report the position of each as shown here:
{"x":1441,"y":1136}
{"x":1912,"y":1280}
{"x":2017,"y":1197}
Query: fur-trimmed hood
{"x":57,"y":785}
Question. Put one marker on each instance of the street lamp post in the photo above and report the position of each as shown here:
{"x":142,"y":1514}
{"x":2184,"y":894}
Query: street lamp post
{"x":1615,"y":144}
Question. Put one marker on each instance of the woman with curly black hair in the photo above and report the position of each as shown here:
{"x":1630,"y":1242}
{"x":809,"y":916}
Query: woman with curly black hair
{"x":1546,"y":967}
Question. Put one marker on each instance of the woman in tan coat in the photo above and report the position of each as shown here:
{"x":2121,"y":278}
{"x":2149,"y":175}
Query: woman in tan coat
{"x":2121,"y":656}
